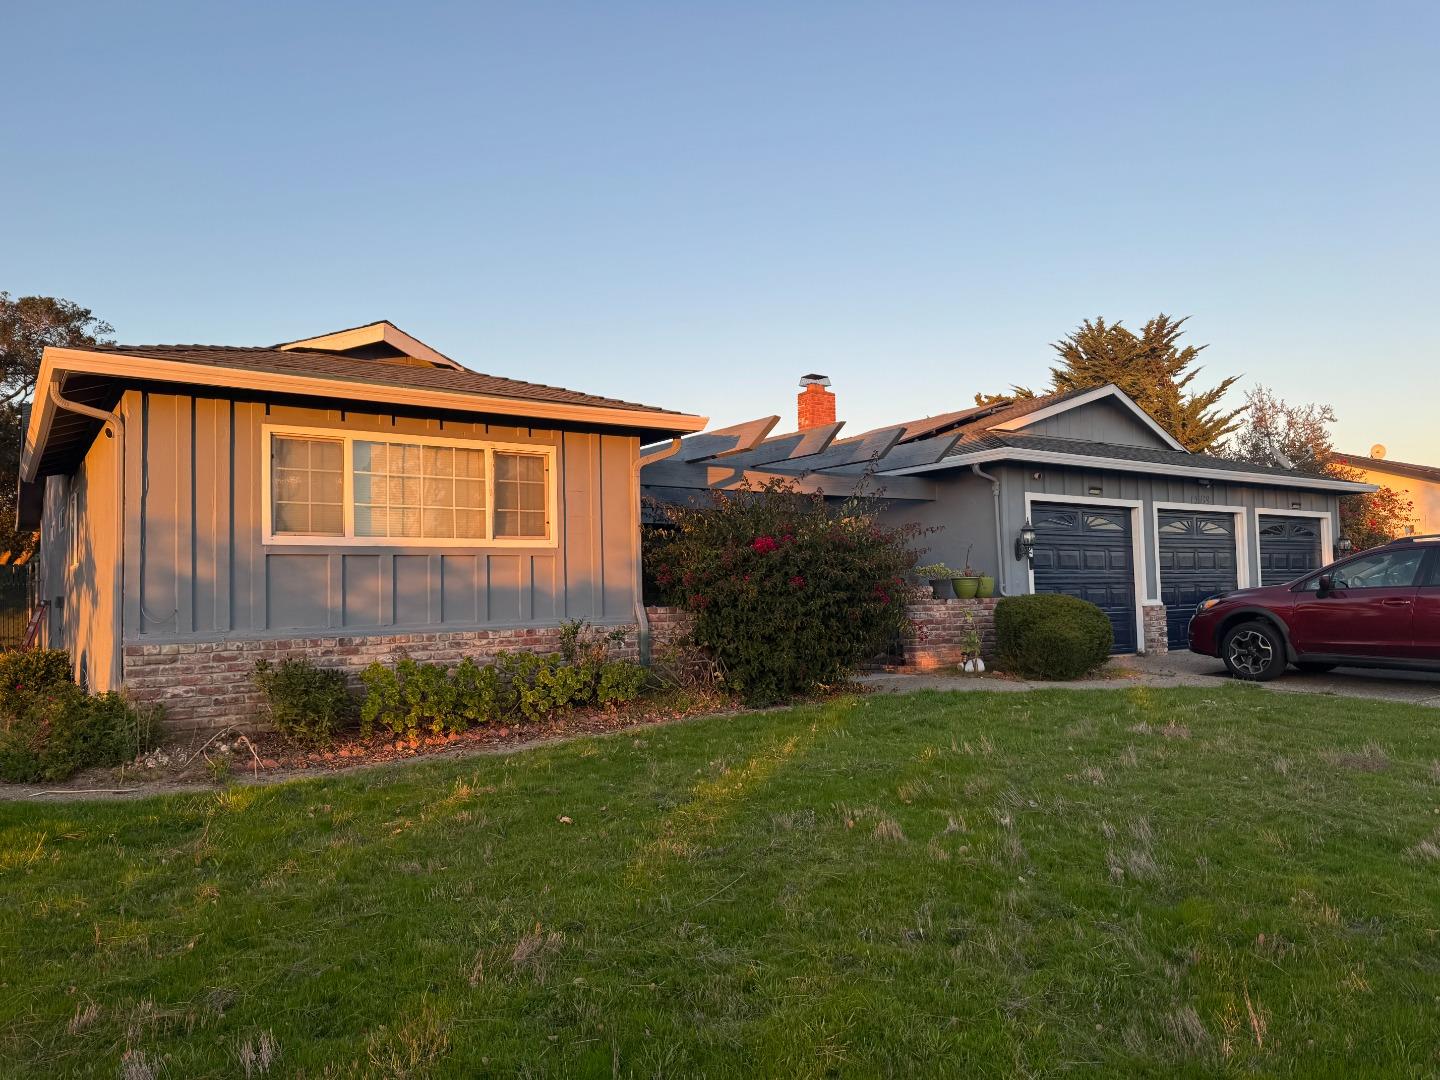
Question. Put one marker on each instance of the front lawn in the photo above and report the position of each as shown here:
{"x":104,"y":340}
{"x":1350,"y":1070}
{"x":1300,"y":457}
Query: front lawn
{"x":1064,"y":882}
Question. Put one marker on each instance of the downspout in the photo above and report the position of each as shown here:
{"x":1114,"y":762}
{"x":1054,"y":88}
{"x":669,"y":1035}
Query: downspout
{"x":999,"y":534}
{"x":642,"y":617}
{"x":115,"y":422}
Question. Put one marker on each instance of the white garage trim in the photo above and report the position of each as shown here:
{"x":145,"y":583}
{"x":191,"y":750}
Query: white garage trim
{"x":1137,"y":542}
{"x":1242,"y":537}
{"x":1327,"y":532}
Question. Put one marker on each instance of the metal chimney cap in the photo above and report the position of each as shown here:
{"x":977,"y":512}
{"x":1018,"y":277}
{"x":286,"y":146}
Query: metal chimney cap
{"x":814,"y":380}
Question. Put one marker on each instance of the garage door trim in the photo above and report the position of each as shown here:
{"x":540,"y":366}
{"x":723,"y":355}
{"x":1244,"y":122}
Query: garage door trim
{"x":1137,"y":542}
{"x":1327,"y":529}
{"x":1242,"y":535}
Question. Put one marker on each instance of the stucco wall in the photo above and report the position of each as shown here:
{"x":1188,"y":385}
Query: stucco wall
{"x":197,"y":568}
{"x":1425,"y":495}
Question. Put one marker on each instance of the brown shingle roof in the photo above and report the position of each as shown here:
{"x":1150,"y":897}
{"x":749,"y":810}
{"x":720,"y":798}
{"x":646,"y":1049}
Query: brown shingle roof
{"x":314,"y":363}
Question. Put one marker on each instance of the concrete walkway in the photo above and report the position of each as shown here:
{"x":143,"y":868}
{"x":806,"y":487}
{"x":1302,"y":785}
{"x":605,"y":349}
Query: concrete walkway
{"x":1188,"y":669}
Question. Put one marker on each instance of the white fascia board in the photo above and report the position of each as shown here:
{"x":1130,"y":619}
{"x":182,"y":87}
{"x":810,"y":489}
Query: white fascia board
{"x":1083,"y":461}
{"x":1100,"y":393}
{"x":58,"y":362}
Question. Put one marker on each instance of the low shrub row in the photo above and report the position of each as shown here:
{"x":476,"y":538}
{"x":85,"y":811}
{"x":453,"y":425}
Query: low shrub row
{"x":50,"y":728}
{"x":310,"y":704}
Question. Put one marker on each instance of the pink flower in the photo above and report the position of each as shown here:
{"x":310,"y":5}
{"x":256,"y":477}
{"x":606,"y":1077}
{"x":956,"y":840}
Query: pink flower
{"x":797,"y":582}
{"x":763,"y":545}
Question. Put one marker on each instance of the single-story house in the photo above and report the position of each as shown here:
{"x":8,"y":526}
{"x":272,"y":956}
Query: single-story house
{"x":1418,"y":483}
{"x":202,"y":506}
{"x":1080,"y":493}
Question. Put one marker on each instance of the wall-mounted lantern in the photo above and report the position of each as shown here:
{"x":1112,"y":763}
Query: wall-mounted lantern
{"x":1025,"y":542}
{"x":1344,"y":547}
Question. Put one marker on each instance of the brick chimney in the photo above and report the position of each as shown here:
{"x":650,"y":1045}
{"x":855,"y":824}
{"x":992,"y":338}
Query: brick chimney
{"x":815,"y":403}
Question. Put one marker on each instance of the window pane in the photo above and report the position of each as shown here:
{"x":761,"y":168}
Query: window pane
{"x":439,"y":491}
{"x":439,"y":523}
{"x":306,"y":486}
{"x":1387,"y":570}
{"x":439,"y":461}
{"x":470,"y":463}
{"x":470,"y":493}
{"x":470,"y":524}
{"x":327,"y":518}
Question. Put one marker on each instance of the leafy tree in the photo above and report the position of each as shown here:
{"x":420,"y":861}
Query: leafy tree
{"x":28,"y":324}
{"x":1153,"y":368}
{"x":1276,"y":433}
{"x":1298,"y":437}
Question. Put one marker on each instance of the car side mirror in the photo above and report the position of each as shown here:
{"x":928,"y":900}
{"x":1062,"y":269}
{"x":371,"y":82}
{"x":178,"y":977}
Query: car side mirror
{"x":1327,"y":584}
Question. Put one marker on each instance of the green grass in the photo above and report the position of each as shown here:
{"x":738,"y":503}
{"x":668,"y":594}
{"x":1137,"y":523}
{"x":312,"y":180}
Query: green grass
{"x":983,"y":884}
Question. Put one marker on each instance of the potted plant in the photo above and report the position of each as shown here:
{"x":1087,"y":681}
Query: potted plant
{"x":967,"y":582}
{"x":971,"y":644}
{"x":940,"y":577}
{"x":987,"y":587}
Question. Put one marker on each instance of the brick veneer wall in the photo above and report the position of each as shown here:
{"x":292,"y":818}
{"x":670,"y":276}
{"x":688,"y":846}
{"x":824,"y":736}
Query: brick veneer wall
{"x":206,"y":684}
{"x":1157,"y":631}
{"x":941,"y":627}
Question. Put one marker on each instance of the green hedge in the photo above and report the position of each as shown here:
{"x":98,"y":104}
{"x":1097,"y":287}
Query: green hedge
{"x":1049,"y":636}
{"x":50,"y":728}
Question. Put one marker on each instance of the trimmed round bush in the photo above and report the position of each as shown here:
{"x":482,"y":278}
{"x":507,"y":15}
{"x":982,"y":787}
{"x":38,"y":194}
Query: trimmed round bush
{"x":1049,"y":636}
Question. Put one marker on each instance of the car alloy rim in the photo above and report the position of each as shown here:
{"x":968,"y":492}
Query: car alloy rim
{"x":1251,"y":652}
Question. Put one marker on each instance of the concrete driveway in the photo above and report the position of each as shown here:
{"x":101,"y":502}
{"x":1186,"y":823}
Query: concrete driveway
{"x":1187,"y":668}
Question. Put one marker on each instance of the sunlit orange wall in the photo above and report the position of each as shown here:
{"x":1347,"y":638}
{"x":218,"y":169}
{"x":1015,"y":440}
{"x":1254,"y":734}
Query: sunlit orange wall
{"x":1425,"y":494}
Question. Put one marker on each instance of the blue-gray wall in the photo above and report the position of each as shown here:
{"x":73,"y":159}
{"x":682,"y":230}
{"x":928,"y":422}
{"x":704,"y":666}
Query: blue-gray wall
{"x":195,"y":566}
{"x":1016,"y":480}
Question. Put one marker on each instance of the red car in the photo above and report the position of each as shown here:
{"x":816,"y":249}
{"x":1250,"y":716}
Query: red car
{"x":1380,"y":608}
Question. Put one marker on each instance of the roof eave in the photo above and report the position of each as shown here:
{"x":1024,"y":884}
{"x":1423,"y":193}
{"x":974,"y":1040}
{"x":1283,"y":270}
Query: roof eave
{"x":1316,"y":483}
{"x":60,"y":361}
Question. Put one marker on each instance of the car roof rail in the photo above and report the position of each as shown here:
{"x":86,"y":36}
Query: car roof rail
{"x":1425,"y":538}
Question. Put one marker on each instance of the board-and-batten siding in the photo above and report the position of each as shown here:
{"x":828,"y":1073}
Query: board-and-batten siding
{"x":1149,"y":490}
{"x":194,"y":474}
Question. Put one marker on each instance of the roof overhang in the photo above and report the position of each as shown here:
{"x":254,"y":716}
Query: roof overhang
{"x":1087,"y":461}
{"x":57,"y":363}
{"x":379,"y":333}
{"x":1100,"y":393}
{"x":1425,"y":473}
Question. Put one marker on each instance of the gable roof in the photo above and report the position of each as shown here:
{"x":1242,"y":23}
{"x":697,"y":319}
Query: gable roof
{"x":383,"y":334}
{"x":1044,"y":408}
{"x":1428,"y":473}
{"x":296,"y":369}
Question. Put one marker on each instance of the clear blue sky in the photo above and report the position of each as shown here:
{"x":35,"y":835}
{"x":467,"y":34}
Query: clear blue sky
{"x":692,"y":204}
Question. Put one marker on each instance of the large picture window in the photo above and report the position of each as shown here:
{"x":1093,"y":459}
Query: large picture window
{"x":407,"y":490}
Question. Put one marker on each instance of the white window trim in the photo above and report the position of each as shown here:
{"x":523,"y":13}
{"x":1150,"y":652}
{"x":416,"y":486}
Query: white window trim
{"x":1137,"y":545}
{"x":1242,"y":538}
{"x":349,"y":436}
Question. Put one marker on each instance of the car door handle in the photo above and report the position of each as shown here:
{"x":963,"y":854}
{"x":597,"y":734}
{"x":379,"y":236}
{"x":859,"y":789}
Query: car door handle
{"x":1396,"y":602}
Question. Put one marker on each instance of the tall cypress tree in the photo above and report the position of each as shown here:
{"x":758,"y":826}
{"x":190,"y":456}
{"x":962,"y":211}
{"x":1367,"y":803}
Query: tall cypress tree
{"x":1154,"y":369}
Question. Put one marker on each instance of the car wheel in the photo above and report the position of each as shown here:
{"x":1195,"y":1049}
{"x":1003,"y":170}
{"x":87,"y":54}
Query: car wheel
{"x":1255,"y":652}
{"x":1314,"y":667}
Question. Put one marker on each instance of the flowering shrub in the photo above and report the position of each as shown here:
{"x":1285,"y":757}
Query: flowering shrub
{"x":789,"y":591}
{"x":1376,"y":518}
